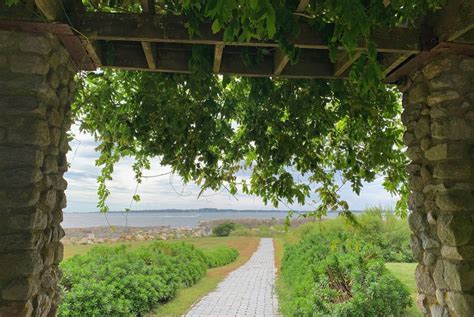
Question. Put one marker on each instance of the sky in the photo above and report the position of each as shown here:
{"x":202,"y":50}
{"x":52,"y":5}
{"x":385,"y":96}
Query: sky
{"x":168,"y":192}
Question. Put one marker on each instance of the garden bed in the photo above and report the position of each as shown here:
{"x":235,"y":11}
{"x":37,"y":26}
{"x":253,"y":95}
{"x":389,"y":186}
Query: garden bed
{"x":121,"y":281}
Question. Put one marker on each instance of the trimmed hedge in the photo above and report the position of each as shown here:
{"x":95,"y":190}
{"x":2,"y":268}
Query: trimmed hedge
{"x":336,"y":275}
{"x":220,"y":256}
{"x":120,"y":281}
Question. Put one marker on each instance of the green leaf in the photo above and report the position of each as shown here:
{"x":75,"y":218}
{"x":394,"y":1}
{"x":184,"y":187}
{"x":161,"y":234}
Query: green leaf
{"x":10,"y":3}
{"x":216,"y":27}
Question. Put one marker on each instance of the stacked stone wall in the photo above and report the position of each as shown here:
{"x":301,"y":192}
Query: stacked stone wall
{"x":439,"y":118}
{"x":36,"y":89}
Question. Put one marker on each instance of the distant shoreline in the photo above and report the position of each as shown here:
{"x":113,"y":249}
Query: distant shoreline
{"x":200,"y":210}
{"x":102,"y":234}
{"x":169,"y":217}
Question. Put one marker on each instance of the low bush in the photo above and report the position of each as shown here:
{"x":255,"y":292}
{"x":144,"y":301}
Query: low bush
{"x":220,"y":256}
{"x":387,"y":234}
{"x":336,"y":274}
{"x":223,"y":229}
{"x":119,"y":281}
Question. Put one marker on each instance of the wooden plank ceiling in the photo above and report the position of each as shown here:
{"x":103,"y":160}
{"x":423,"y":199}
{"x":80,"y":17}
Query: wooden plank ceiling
{"x":149,"y":42}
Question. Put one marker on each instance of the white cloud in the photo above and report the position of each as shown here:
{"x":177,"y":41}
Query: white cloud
{"x":168,"y":191}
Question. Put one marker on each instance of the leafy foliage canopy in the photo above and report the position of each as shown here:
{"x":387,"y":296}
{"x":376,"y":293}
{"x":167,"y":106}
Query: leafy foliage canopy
{"x":296,"y":137}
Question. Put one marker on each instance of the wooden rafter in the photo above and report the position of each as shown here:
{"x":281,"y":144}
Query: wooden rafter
{"x":421,"y":59}
{"x":148,"y":6}
{"x":344,"y":62}
{"x":148,"y":41}
{"x":392,"y":61}
{"x":94,"y":50}
{"x":150,"y":52}
{"x":450,"y":25}
{"x":218,"y":51}
{"x":51,"y":9}
{"x":302,"y":6}
{"x":454,"y":20}
{"x":174,"y":58}
{"x":280,"y":59}
{"x":153,"y":28}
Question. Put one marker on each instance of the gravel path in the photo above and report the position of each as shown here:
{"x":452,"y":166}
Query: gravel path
{"x":247,"y":291}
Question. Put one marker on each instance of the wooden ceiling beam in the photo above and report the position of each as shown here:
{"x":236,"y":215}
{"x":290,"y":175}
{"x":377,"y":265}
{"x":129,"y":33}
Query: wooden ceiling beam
{"x":155,"y":28}
{"x":391,"y":61}
{"x":148,"y":6}
{"x":280,"y":58}
{"x":421,"y":59}
{"x":344,"y":62}
{"x":218,"y":50}
{"x":447,"y":31}
{"x":94,"y":51}
{"x":51,"y":9}
{"x":128,"y":56}
{"x":311,"y":64}
{"x":150,"y":53}
{"x":454,"y":20}
{"x":302,"y":6}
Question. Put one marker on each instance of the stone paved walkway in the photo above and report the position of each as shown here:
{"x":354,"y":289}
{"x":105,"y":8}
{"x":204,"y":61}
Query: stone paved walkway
{"x":247,"y":291}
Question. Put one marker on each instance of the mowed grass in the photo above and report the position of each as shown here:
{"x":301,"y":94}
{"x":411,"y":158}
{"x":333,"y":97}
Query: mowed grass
{"x":279,"y":249}
{"x":405,"y":272}
{"x":205,"y":242}
{"x":188,"y":296}
{"x":79,"y":249}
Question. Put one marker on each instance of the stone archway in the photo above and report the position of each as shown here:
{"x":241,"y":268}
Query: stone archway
{"x":439,"y":116}
{"x":36,"y":80}
{"x":36,"y":87}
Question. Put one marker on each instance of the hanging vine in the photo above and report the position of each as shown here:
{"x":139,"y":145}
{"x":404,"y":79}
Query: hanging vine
{"x":207,"y":128}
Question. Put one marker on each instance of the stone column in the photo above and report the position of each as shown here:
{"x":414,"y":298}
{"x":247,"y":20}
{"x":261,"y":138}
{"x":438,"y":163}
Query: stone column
{"x":36,"y":88}
{"x":439,"y":118}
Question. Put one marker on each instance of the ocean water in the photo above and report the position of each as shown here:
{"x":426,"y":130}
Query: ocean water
{"x":160,"y":218}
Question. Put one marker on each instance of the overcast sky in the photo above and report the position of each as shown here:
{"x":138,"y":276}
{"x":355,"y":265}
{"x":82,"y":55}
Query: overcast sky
{"x":167,"y":191}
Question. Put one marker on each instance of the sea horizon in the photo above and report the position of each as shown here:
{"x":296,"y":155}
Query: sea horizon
{"x":202,"y":210}
{"x":170,"y":217}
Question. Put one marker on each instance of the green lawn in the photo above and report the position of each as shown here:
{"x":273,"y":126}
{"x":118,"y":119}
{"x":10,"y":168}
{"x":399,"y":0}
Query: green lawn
{"x":70,"y":249}
{"x":406,"y":273}
{"x":205,"y":242}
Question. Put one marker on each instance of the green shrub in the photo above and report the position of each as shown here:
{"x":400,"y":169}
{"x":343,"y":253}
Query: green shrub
{"x":388,"y":235}
{"x":119,"y":281}
{"x":223,"y":229}
{"x":337,"y":274}
{"x":123,"y":282}
{"x":220,"y":256}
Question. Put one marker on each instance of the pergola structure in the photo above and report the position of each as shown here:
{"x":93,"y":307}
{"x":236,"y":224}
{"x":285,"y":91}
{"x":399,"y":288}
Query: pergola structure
{"x":45,"y":42}
{"x":150,"y":42}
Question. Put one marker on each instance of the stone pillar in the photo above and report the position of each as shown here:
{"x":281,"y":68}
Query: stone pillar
{"x":439,"y":118}
{"x":36,"y":88}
